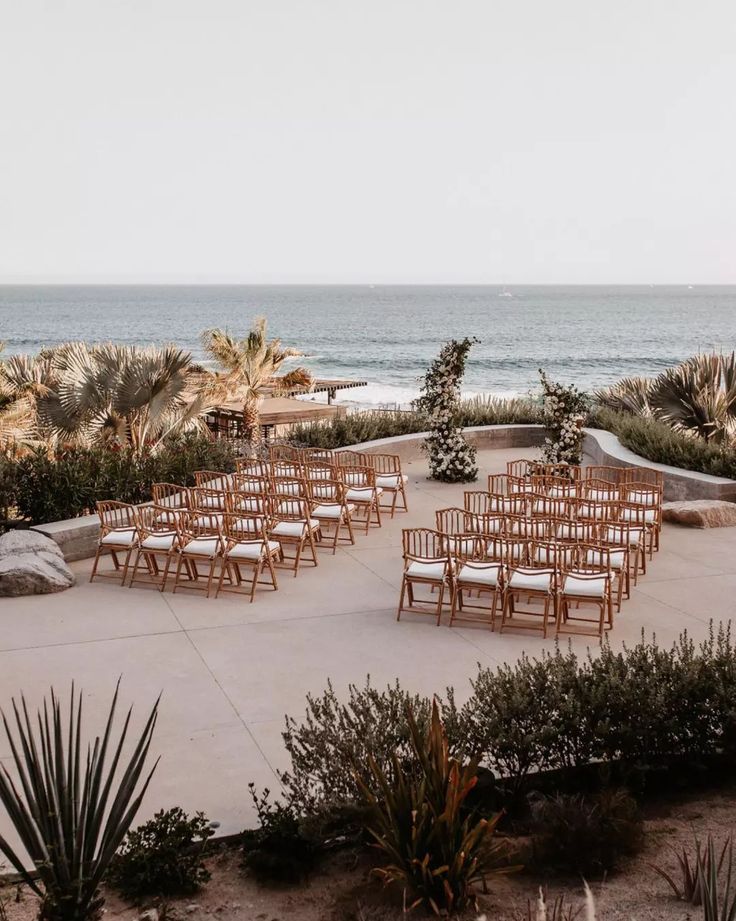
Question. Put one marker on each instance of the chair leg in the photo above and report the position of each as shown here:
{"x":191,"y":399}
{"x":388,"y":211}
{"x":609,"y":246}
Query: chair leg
{"x":401,"y":598}
{"x":98,"y":554}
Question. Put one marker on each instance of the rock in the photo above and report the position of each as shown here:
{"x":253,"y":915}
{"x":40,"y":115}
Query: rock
{"x":151,"y":914}
{"x":701,"y":513}
{"x":32,"y":564}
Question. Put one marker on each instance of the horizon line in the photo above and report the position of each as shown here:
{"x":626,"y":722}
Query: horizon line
{"x":88,"y":282}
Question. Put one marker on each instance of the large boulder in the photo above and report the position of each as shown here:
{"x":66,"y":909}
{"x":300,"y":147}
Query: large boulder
{"x":32,"y":564}
{"x":701,"y":513}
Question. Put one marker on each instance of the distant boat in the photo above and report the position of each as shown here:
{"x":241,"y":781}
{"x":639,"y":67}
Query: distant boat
{"x":690,"y":286}
{"x":505,"y":293}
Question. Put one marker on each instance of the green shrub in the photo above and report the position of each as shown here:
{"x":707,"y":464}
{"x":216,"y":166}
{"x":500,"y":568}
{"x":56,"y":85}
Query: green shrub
{"x":335,"y":735}
{"x":358,"y":427}
{"x":435,"y":848}
{"x":162,"y":857}
{"x":585,"y":835}
{"x":659,"y":443}
{"x":51,"y":488}
{"x":281,"y":849}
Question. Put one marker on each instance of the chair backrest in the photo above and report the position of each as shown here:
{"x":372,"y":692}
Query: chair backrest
{"x":204,"y":499}
{"x":286,"y":468}
{"x":289,"y":508}
{"x":116,"y":515}
{"x":453,"y":520}
{"x":240,"y":526}
{"x":562,"y":471}
{"x":556,"y":487}
{"x":319,"y":470}
{"x":572,"y":531}
{"x":288,"y":486}
{"x":201,"y":524}
{"x":526,"y":527}
{"x":594,"y":558}
{"x":498,"y":483}
{"x":613,"y":533}
{"x":317,"y":455}
{"x":171,"y":495}
{"x":212,"y":479}
{"x":319,"y":491}
{"x":477,"y":501}
{"x":465,"y":546}
{"x":520,"y":468}
{"x":156,"y":519}
{"x":646,"y":494}
{"x":255,"y":466}
{"x":515,"y":551}
{"x":600,"y":490}
{"x":357,"y":475}
{"x":595,"y":510}
{"x":507,"y":505}
{"x":278,"y":453}
{"x":352,"y":459}
{"x":247,"y":503}
{"x":385,"y":464}
{"x":645,"y":475}
{"x":552,"y":555}
{"x":251,"y":482}
{"x":612,"y":475}
{"x":543,"y":506}
{"x":424,"y":544}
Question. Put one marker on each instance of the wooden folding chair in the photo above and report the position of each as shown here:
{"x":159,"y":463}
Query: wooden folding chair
{"x":212,"y":479}
{"x":201,"y":543}
{"x":118,"y":537}
{"x":247,"y":548}
{"x":158,"y":543}
{"x":427,"y":565}
{"x":391,"y":480}
{"x":586,"y":583}
{"x":535,"y":582}
{"x":363,"y":493}
{"x":292,"y":525}
{"x":331,"y":509}
{"x":318,"y":456}
{"x":254,"y":483}
{"x":649,"y":497}
{"x":253,"y":466}
{"x":614,"y":476}
{"x":615,"y":538}
{"x":476,"y":572}
{"x":596,"y":489}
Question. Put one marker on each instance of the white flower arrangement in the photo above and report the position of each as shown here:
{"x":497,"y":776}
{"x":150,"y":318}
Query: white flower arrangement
{"x":565,"y":411}
{"x":451,"y":458}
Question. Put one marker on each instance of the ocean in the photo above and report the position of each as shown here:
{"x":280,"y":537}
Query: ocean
{"x":386,"y":335}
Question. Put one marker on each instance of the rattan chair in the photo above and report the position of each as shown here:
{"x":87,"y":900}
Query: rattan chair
{"x":331,"y":509}
{"x":292,"y":525}
{"x":476,"y":572}
{"x":212,"y":479}
{"x":247,"y":548}
{"x":254,"y":483}
{"x":426,"y":565}
{"x":158,"y":543}
{"x":253,"y":466}
{"x":118,"y":537}
{"x":390,"y":479}
{"x":363,"y":493}
{"x":588,"y":582}
{"x":201,"y":544}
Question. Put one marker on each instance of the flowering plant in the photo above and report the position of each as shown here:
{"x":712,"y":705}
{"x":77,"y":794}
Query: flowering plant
{"x":451,"y":458}
{"x":565,"y":412}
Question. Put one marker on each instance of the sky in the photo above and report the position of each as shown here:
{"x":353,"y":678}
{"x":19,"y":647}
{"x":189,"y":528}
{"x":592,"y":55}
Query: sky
{"x":381,"y":141}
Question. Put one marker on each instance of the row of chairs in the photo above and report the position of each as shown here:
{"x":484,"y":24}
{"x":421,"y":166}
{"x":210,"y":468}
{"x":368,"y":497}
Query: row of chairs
{"x":246,"y":519}
{"x":556,"y":538}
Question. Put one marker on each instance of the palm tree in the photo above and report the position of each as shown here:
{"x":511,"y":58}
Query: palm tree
{"x":124,"y":395}
{"x":24,"y":380}
{"x":249,"y":366}
{"x":630,"y":395}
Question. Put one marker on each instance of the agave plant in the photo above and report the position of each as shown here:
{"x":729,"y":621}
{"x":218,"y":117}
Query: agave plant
{"x":630,"y":395}
{"x":693,"y":870}
{"x":249,"y":366}
{"x":717,"y":905}
{"x":698,"y":396}
{"x":437,"y":850}
{"x":70,"y":811}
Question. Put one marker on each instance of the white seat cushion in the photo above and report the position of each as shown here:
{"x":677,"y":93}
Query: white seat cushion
{"x":249,"y":504}
{"x":121,"y":537}
{"x":480,"y":573}
{"x":293,"y":528}
{"x":213,"y":520}
{"x":433,"y":571}
{"x":168,"y":517}
{"x":603,"y":495}
{"x":354,"y":479}
{"x":515,"y":551}
{"x":571,"y":531}
{"x":617,"y":557}
{"x":632,"y":514}
{"x":159,"y":542}
{"x":531,"y":582}
{"x":561,"y":492}
{"x":287,"y":489}
{"x":391,"y":480}
{"x":361,"y":494}
{"x":252,"y":550}
{"x":460,"y":545}
{"x":566,"y":554}
{"x":202,"y":546}
{"x":331,"y":511}
{"x":589,"y":588}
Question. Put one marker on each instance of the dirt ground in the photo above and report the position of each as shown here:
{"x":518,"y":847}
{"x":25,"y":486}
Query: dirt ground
{"x":343,"y":890}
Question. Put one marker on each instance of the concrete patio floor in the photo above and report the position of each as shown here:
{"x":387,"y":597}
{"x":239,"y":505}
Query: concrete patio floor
{"x":229,"y":670}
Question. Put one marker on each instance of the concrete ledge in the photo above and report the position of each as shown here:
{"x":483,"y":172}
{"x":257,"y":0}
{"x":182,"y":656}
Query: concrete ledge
{"x":77,"y":537}
{"x":602,"y":448}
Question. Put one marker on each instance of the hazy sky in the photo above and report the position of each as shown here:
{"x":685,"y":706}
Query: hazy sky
{"x":377,"y":141}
